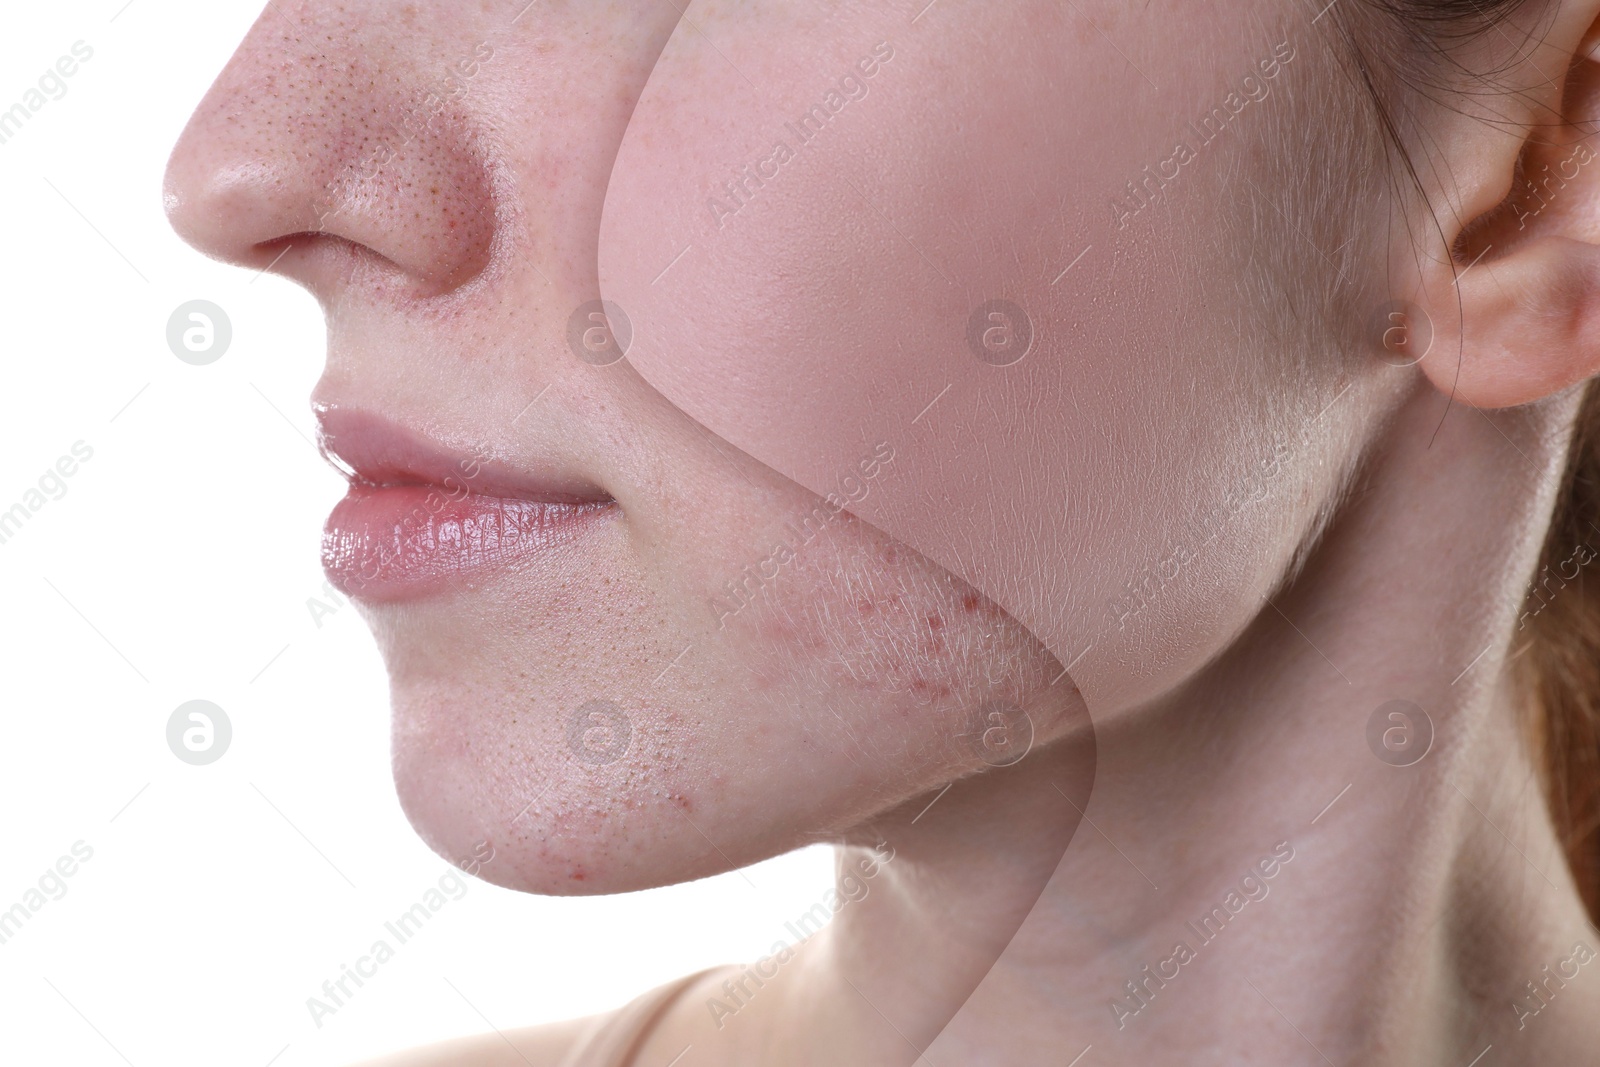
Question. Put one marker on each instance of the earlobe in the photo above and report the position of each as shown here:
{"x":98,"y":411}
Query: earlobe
{"x":1527,"y":325}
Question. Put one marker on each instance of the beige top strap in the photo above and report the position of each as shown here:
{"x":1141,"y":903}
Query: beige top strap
{"x":614,"y":1039}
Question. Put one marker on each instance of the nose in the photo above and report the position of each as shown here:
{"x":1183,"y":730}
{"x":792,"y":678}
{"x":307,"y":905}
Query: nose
{"x":334,"y":142}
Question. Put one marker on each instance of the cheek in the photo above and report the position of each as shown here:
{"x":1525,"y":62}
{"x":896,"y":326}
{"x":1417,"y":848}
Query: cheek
{"x":961,"y":289}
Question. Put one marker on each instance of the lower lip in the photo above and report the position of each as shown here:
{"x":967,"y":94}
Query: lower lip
{"x":390,"y":542}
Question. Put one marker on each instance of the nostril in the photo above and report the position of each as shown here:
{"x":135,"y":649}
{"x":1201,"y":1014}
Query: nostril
{"x":325,"y":262}
{"x":426,"y":215}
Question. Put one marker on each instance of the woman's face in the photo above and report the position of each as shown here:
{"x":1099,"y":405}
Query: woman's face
{"x":802,"y":555}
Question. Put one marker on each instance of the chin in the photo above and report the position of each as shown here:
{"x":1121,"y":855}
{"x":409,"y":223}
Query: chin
{"x":484,"y":775}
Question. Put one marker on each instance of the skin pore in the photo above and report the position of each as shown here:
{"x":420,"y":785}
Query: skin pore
{"x":1407,"y":906}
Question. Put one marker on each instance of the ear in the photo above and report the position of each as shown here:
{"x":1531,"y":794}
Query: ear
{"x":1515,"y":307}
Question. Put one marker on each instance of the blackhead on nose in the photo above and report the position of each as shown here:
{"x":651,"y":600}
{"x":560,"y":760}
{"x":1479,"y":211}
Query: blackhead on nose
{"x":339,"y":133}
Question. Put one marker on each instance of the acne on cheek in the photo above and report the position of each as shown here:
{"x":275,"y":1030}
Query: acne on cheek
{"x":859,"y":612}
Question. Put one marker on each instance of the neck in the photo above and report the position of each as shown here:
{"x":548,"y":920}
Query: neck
{"x":1252,"y":882}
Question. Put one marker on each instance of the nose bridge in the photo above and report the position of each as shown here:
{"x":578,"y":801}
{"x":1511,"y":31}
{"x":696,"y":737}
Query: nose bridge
{"x":349,"y":121}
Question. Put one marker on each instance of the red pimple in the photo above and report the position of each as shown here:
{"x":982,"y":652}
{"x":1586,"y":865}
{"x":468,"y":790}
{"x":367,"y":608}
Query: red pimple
{"x":970,"y":602}
{"x":935,"y":622}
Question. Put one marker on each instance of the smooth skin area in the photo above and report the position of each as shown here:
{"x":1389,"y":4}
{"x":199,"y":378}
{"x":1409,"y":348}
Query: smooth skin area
{"x":451,"y":223}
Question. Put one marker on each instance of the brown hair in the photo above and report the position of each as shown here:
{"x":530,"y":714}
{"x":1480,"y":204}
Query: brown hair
{"x":1556,"y":658}
{"x":1559,"y":657}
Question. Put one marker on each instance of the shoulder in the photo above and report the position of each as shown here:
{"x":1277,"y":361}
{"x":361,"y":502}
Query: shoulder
{"x":593,"y":1041}
{"x":547,"y":1045}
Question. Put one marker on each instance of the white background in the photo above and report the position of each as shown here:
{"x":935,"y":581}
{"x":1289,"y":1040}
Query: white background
{"x":178,"y":566}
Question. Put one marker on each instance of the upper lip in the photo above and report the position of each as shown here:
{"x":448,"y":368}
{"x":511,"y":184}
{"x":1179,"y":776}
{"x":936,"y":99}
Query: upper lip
{"x":375,"y":451}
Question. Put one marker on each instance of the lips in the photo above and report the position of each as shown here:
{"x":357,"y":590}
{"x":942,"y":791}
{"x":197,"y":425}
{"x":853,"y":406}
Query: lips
{"x":421,"y":516}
